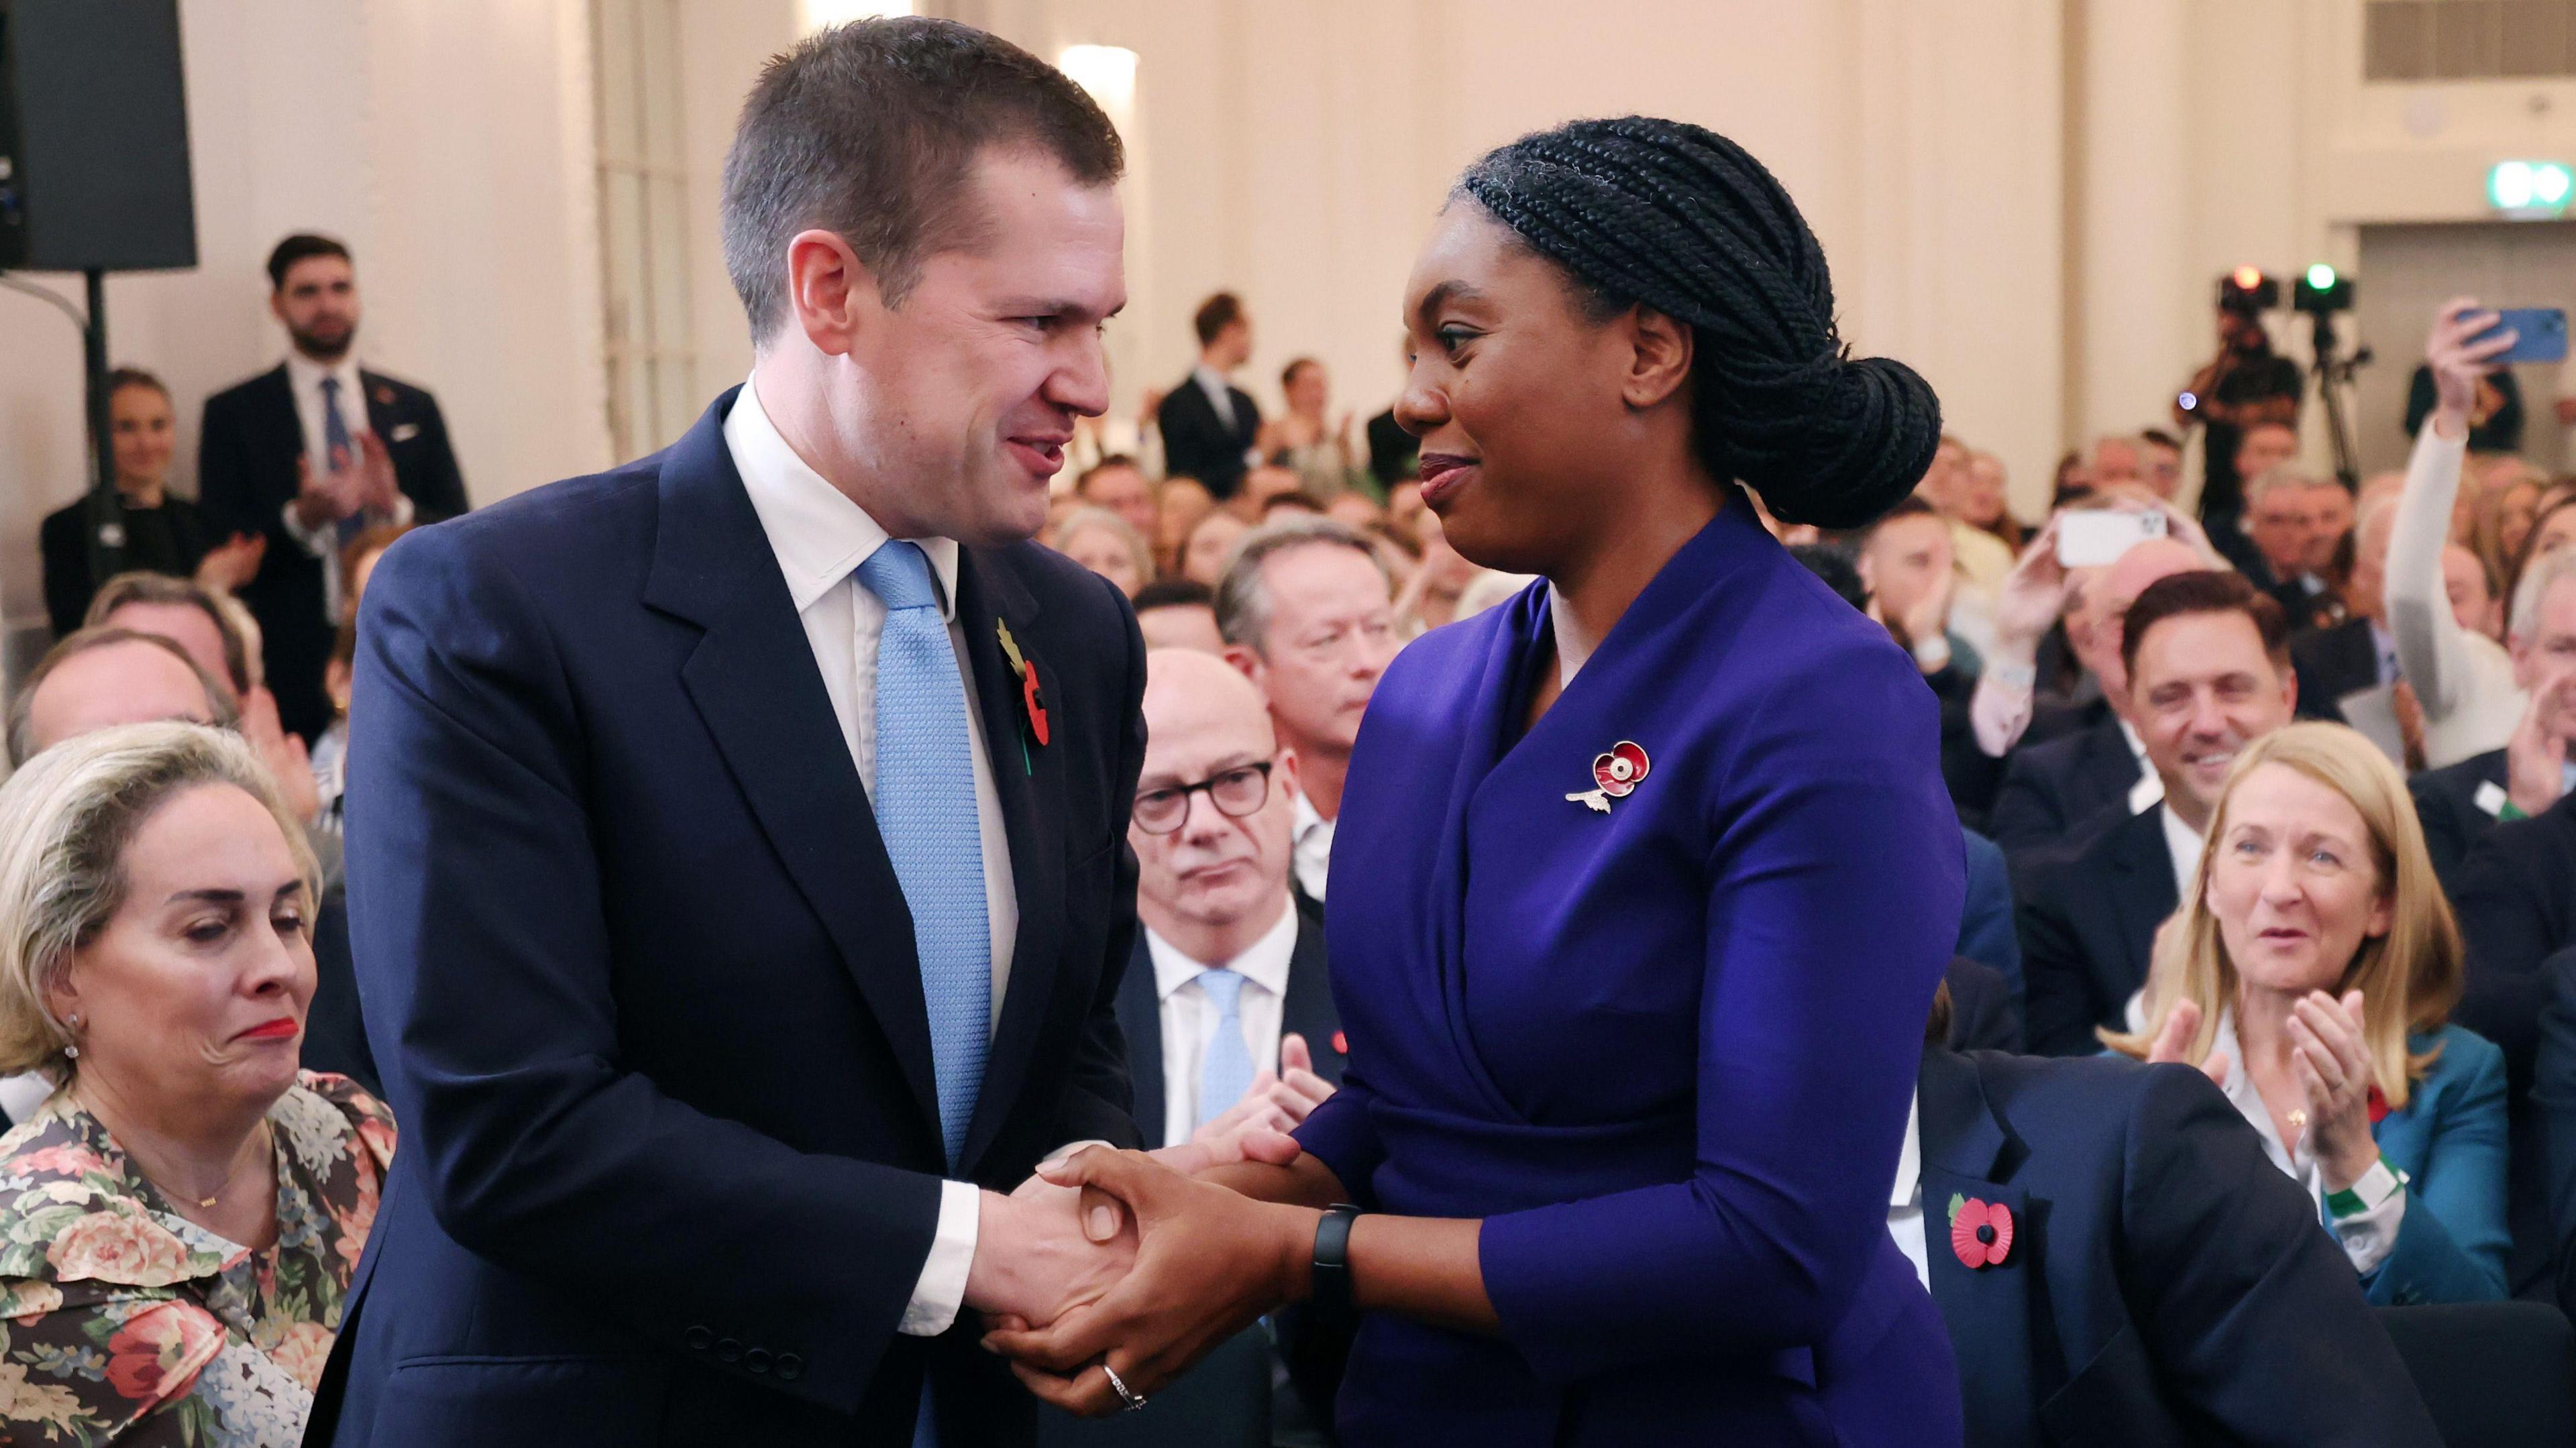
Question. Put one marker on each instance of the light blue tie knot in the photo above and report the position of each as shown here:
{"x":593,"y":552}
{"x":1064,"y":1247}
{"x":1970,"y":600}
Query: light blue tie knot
{"x":924,"y":800}
{"x":899,"y":573}
{"x":1227,"y":1072}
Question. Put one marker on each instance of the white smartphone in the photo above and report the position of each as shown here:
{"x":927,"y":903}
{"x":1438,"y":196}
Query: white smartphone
{"x":2092,"y":538}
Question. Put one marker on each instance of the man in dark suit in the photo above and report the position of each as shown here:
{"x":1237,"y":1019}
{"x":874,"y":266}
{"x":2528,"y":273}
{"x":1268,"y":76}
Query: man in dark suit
{"x":1227,"y":1005}
{"x":2161,"y":1282}
{"x":2206,"y":657}
{"x":2359,"y":653}
{"x":741,"y":888}
{"x":310,"y":454}
{"x":2517,"y":906}
{"x":1209,"y":425}
{"x":2553,"y":1107}
{"x":2461,"y":803}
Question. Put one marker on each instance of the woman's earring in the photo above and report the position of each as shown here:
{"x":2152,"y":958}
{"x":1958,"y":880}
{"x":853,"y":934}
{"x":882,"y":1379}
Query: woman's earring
{"x":72,"y":1052}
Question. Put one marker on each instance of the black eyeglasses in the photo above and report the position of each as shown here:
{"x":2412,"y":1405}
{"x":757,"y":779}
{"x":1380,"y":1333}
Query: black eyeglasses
{"x":1235,"y":792}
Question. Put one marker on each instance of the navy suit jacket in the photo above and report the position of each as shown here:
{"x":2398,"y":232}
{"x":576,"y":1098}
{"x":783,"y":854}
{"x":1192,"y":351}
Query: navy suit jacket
{"x":2088,"y":924}
{"x":2333,"y":662}
{"x":1986,"y":933}
{"x":2553,"y":1103}
{"x":1199,"y":444}
{"x":641,"y":980}
{"x":2516,"y":897}
{"x":246,"y":455}
{"x":2166,"y":1284}
{"x":1307,"y":1011}
{"x":2051,"y":789}
{"x":2451,"y":803}
{"x":1983,"y":1014}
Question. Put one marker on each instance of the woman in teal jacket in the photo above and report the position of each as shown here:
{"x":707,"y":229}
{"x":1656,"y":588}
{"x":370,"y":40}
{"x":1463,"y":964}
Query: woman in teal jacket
{"x":2310,"y":973}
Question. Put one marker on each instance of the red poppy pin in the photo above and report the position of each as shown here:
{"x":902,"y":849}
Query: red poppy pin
{"x":1032,"y":702}
{"x":2378,"y":1106}
{"x":1616,"y":773}
{"x":1341,"y":1044}
{"x":1981,"y":1233}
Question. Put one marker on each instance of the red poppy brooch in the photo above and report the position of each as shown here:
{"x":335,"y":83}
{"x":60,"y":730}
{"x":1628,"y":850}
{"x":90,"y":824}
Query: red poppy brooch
{"x":1032,"y":703}
{"x":1981,"y":1233}
{"x":1616,"y":773}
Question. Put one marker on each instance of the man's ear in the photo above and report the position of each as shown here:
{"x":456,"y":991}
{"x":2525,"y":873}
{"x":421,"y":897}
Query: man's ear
{"x":831,"y":298}
{"x":1247,"y":663}
{"x":1658,"y":356}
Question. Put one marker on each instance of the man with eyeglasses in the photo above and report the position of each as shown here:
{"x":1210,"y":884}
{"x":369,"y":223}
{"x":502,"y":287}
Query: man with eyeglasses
{"x":1307,"y":611}
{"x":1226,"y":1004}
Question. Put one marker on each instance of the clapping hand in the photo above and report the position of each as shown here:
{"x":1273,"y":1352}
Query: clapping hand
{"x":2536,"y":756}
{"x":2173,"y":1043}
{"x":348,"y":485}
{"x":2332,"y":1064}
{"x":1208,"y":1263}
{"x":229,"y":566}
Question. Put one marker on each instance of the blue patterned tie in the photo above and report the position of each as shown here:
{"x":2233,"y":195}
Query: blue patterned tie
{"x":339,"y":451}
{"x":1227,"y":1072}
{"x":925,"y":808}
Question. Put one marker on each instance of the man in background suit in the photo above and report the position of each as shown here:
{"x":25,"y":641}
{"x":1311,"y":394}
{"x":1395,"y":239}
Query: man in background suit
{"x":1208,"y":423}
{"x":2207,"y":662}
{"x":1227,"y":1005}
{"x":2460,"y":803}
{"x":2359,"y":653}
{"x":741,"y":888}
{"x":2160,"y":1285}
{"x":310,"y":454}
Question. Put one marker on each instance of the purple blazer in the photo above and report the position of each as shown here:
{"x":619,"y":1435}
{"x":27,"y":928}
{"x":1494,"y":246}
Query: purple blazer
{"x":1664,"y":1050}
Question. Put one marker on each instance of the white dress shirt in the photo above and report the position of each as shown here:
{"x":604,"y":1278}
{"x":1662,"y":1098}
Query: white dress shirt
{"x":1220,"y":393}
{"x":1190,"y":1019}
{"x":1311,"y":848}
{"x":304,"y":381}
{"x":2367,"y":1238}
{"x":821,"y":538}
{"x":1905,"y":1201}
{"x":2184,"y":844}
{"x":2150,"y":788}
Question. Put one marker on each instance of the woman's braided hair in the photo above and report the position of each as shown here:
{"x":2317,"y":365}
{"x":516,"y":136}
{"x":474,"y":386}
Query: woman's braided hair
{"x":1683,"y":220}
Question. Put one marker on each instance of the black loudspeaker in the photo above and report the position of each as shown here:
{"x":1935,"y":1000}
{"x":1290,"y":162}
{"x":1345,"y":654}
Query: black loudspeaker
{"x":93,"y":137}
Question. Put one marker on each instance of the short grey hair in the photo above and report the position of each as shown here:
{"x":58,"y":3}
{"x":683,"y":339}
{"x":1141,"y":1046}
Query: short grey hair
{"x":1243,"y":597}
{"x":1101,"y":518}
{"x":66,"y":821}
{"x":2551,"y":570}
{"x":2279,"y":478}
{"x":22,"y":709}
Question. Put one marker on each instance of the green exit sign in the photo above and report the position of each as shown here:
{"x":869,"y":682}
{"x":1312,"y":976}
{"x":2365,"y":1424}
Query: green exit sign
{"x":2530,"y":188}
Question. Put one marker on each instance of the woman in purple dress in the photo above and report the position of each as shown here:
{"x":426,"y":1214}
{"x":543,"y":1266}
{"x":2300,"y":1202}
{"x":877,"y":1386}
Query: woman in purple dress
{"x":1644,"y":880}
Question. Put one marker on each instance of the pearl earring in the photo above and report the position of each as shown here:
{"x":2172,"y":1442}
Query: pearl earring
{"x":72,"y":1052}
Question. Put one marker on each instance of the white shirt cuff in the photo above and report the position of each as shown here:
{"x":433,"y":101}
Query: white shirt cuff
{"x":316,"y":541}
{"x":2369,"y":1237}
{"x":942,"y":1288}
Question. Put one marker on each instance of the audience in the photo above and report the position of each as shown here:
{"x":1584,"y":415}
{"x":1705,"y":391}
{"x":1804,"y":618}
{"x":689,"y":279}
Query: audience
{"x":2547,"y":1153}
{"x":103,"y":676}
{"x":1210,"y":546}
{"x":2162,"y":462}
{"x":1905,"y":562}
{"x":2358,"y":655}
{"x":1178,"y":613}
{"x":1305,"y":610}
{"x":2538,"y":764}
{"x":310,"y":454}
{"x":2246,"y":388}
{"x":1304,"y":442}
{"x":2208,"y":674}
{"x":153,"y":530}
{"x":1210,"y":427}
{"x":2311,"y":975}
{"x":1101,"y":541}
{"x":2158,"y":1284}
{"x":2283,"y":522}
{"x":1118,"y":484}
{"x":187,"y":1209}
{"x":1178,"y":507}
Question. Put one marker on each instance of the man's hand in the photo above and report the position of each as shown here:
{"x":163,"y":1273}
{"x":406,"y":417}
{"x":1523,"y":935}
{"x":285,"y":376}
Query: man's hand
{"x":2032,"y":597}
{"x":1208,"y":1264}
{"x":329,"y":498}
{"x":229,"y":566}
{"x":2459,"y":364}
{"x":2535,"y":758}
{"x":1045,"y":1249}
{"x":289,"y":763}
{"x":378,"y":489}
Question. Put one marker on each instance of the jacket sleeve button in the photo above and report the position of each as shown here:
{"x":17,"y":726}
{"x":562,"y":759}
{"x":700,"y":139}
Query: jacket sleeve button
{"x":790,"y":1367}
{"x":728,"y":1350}
{"x":756,"y":1360}
{"x":698,"y":1339}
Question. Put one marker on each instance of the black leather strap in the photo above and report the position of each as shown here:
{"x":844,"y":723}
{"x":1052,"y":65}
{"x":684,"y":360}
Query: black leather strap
{"x":1332,"y":1274}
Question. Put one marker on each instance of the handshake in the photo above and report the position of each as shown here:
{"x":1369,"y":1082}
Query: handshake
{"x":1109,"y":1273}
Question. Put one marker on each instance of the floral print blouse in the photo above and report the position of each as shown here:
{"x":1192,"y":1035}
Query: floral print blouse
{"x":123,"y":1322}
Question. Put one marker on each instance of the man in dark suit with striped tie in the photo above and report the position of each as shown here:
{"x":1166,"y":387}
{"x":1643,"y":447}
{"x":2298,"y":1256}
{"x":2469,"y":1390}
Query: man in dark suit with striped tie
{"x":740,"y":881}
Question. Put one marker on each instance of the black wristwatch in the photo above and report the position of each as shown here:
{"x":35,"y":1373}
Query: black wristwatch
{"x":1332,"y":1274}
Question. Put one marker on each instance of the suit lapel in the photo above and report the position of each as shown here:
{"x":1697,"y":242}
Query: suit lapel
{"x":381,"y":417}
{"x":1966,"y":1153}
{"x":1028,"y":780}
{"x":282,"y":431}
{"x":753,"y":681}
{"x":1140,"y":1014}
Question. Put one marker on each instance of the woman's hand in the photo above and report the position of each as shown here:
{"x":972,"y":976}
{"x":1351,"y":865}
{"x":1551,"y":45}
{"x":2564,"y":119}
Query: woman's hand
{"x":2458,"y":364}
{"x":229,"y":566}
{"x":2173,"y":1043}
{"x":2333,"y":1069}
{"x":1209,"y":1263}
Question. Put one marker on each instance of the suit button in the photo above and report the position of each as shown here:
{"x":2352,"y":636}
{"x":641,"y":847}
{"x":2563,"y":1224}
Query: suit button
{"x":757,"y":1359}
{"x":790,"y":1367}
{"x":698,"y":1339}
{"x":728,"y":1350}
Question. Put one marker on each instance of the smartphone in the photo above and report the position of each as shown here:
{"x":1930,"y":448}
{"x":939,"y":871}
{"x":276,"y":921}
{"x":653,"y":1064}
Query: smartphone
{"x":2540,"y":335}
{"x":2093,"y":538}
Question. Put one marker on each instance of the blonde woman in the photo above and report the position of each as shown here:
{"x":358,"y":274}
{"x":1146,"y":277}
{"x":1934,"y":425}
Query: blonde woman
{"x":180,"y":1220}
{"x":1106,"y":544}
{"x":2311,"y":974}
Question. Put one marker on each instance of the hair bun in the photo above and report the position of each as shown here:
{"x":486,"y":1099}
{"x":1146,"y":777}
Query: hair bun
{"x":1835,"y":444}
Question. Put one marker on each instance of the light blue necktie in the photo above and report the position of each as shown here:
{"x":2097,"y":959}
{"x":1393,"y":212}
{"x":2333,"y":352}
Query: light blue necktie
{"x":339,"y":450}
{"x":1227,"y":1072}
{"x":925,"y":808}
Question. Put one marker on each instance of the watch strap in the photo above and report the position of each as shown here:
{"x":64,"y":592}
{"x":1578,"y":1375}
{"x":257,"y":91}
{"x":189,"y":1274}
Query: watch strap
{"x":1331,"y":1279}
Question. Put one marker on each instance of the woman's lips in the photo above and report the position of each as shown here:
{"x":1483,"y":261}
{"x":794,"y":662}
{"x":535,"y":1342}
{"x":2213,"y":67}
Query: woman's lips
{"x":1444,"y":475}
{"x":276,"y":1030}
